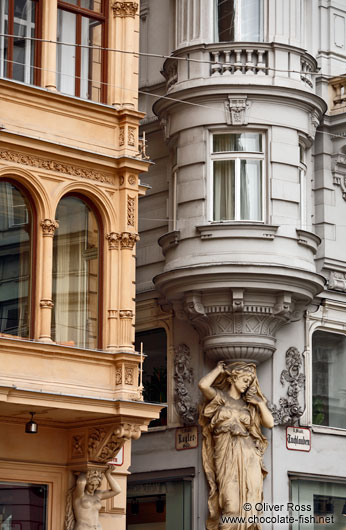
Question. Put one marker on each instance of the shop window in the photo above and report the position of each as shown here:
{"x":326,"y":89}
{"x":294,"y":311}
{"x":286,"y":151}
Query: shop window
{"x":19,"y":23}
{"x":15,"y":260}
{"x":328,"y":379}
{"x":23,"y":506}
{"x":237,"y":177}
{"x":75,"y":275}
{"x":154,"y":369}
{"x":239,"y":20}
{"x":81,"y":62}
{"x":326,"y":500}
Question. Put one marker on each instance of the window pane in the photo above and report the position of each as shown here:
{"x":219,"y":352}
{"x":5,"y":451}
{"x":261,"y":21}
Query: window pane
{"x":250,"y":142}
{"x":75,"y":275}
{"x":15,"y":261}
{"x":93,"y":5}
{"x":328,"y":379}
{"x":251,"y":190}
{"x":66,"y":55}
{"x":226,"y":20}
{"x":91,"y":59}
{"x":23,"y":506}
{"x":249,"y":20}
{"x":154,"y":369}
{"x":224,"y":182}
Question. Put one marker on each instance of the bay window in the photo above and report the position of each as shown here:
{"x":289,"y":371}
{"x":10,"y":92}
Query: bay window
{"x":81,"y":61}
{"x":15,"y":260}
{"x":239,"y":20}
{"x":75,"y":275}
{"x":237,"y":177}
{"x":19,"y":23}
{"x":328,"y":379}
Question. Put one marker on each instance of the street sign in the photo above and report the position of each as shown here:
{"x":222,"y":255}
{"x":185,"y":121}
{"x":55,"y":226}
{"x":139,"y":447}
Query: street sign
{"x":298,"y":439}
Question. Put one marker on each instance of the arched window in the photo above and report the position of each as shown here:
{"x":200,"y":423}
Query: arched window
{"x":15,"y":260}
{"x":75,"y":275}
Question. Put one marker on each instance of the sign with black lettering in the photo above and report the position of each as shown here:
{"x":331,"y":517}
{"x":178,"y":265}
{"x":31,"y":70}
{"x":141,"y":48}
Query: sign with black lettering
{"x":186,"y":438}
{"x":298,"y":439}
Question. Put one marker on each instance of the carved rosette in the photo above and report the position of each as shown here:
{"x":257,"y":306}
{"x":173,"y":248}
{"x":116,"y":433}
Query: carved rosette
{"x":105,"y":442}
{"x":124,"y":9}
{"x":289,"y":410}
{"x":49,"y":227}
{"x":183,"y":377}
{"x":78,"y":446}
{"x":128,"y":240}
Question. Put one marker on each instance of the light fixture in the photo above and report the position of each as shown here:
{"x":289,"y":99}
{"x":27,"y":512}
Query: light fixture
{"x":31,"y":427}
{"x":344,"y":509}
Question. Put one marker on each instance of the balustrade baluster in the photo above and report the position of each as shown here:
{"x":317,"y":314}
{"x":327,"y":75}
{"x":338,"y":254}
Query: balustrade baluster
{"x":238,"y":65}
{"x":250,"y":65}
{"x":227,"y":67}
{"x":216,"y":67}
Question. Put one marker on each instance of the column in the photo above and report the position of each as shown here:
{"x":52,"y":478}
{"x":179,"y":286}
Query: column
{"x":49,"y":33}
{"x":46,"y":302}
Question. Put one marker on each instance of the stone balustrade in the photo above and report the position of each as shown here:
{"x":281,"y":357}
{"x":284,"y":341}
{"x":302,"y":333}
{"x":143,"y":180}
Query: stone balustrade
{"x":337,"y":102}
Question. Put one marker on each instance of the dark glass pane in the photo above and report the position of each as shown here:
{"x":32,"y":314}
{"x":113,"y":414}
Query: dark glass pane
{"x":75,"y":275}
{"x":23,"y":506}
{"x":226,"y":20}
{"x":15,"y":260}
{"x":92,"y":5}
{"x":154,"y":368}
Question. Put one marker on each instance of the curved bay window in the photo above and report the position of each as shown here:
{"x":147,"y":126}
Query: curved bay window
{"x":18,"y":53}
{"x":15,"y":261}
{"x":239,"y":20}
{"x":81,"y":62}
{"x":75,"y":275}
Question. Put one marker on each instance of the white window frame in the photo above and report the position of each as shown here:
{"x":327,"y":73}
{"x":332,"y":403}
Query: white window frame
{"x":237,"y":156}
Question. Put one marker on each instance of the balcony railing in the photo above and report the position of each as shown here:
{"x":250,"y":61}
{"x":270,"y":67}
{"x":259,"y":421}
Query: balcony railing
{"x":337,"y":101}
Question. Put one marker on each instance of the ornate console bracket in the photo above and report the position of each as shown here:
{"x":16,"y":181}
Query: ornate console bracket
{"x":289,"y":410}
{"x":339,"y":172}
{"x":183,"y":377}
{"x":104,"y":443}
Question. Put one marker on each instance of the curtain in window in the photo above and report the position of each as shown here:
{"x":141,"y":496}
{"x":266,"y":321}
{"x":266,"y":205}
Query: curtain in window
{"x":224,"y":189}
{"x":237,"y":142}
{"x":251,"y":190}
{"x":75,"y":275}
{"x":15,"y":261}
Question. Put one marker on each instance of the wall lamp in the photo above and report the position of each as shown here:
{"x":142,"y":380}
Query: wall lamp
{"x":31,"y":427}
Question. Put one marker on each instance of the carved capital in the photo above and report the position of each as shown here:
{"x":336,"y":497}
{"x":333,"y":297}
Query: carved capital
{"x":105,"y":442}
{"x":289,"y":410}
{"x":49,"y":227}
{"x":128,"y":240}
{"x":124,"y":9}
{"x":126,"y":313}
{"x":183,"y":377}
{"x":46,"y":302}
{"x":113,"y":240}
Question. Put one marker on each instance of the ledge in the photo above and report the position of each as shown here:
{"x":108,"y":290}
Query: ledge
{"x":308,"y":239}
{"x":169,"y":240}
{"x":237,"y":230}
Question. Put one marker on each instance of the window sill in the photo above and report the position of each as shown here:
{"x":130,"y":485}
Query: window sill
{"x":322,"y":429}
{"x":237,"y":229}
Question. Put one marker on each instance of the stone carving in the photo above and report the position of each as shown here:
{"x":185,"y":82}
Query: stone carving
{"x":128,"y":240}
{"x":339,"y":172}
{"x":289,"y":410}
{"x":314,"y":123}
{"x":78,"y":446}
{"x":124,"y":9}
{"x":126,"y":313}
{"x":113,"y":240}
{"x":183,"y":377}
{"x":132,"y":180}
{"x":46,"y":302}
{"x":128,"y":376}
{"x":84,"y":500}
{"x":121,"y":181}
{"x":130,"y":211}
{"x":131,"y":139}
{"x":121,"y":135}
{"x":49,"y":227}
{"x":95,"y":439}
{"x":170,"y":72}
{"x":233,"y":444}
{"x":112,"y":313}
{"x":53,"y":165}
{"x":105,"y":442}
{"x":118,"y":375}
{"x":237,"y":110}
{"x":337,"y":281}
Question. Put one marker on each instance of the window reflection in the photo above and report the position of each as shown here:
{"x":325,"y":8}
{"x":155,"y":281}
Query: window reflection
{"x":75,"y":275}
{"x":15,"y":261}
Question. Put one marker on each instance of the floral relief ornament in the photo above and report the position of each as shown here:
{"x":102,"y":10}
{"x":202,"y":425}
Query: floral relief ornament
{"x":124,"y":9}
{"x":183,"y":378}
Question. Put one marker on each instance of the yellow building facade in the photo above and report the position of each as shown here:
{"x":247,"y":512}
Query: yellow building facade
{"x":69,"y":163}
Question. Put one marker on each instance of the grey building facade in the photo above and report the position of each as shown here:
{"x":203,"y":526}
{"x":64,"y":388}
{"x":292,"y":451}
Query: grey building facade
{"x":242,"y":252}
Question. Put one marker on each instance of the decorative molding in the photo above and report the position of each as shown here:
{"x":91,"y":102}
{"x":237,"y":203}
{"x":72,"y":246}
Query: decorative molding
{"x":183,"y":377}
{"x":78,"y":446}
{"x":169,"y":241}
{"x":112,"y":313}
{"x":132,"y":180}
{"x":314,"y":123}
{"x":337,"y":281}
{"x":339,"y":172}
{"x":130,"y":211}
{"x":289,"y":410}
{"x":131,"y":136}
{"x":46,"y":302}
{"x":128,"y":240}
{"x":128,"y":376}
{"x":104,"y":444}
{"x":118,"y":375}
{"x":49,"y":227}
{"x":124,"y":9}
{"x":126,"y":313}
{"x":121,"y":136}
{"x":113,"y":240}
{"x":237,"y":110}
{"x":170,"y":72}
{"x":53,"y":165}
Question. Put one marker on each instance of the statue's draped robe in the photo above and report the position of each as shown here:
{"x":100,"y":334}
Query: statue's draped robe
{"x":232,"y":458}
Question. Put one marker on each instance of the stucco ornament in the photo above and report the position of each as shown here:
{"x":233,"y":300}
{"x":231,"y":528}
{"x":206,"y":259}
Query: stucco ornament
{"x":233,"y":444}
{"x":84,"y":500}
{"x":289,"y":410}
{"x":183,"y":377}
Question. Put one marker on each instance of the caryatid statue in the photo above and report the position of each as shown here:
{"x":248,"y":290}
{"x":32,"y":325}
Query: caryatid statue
{"x":233,"y":444}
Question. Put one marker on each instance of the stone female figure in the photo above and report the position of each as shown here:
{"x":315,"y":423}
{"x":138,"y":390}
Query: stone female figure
{"x":233,"y":444}
{"x":85,"y":500}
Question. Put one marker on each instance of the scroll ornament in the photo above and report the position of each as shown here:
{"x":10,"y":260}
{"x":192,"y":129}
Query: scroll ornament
{"x":289,"y":410}
{"x":183,"y":377}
